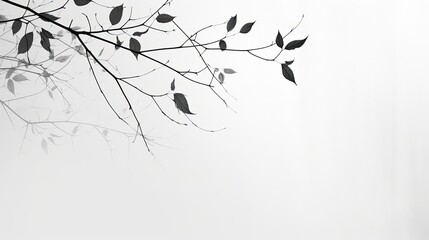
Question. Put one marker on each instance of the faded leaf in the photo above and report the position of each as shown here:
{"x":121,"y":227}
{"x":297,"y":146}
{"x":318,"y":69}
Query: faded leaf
{"x":231,"y":23}
{"x":25,"y":43}
{"x":50,"y":94}
{"x":19,"y":78}
{"x":287,"y":73}
{"x":173,"y":85}
{"x":81,"y":2}
{"x":295,"y":44}
{"x":181,"y":103}
{"x":164,"y":18}
{"x":16,"y":26}
{"x":44,"y":145}
{"x":135,"y":47}
{"x":247,"y":27}
{"x":116,"y":14}
{"x":62,"y":58}
{"x":51,"y":140}
{"x":229,"y":71}
{"x":279,"y":40}
{"x":9,"y":72}
{"x":75,"y":129}
{"x":221,"y":78}
{"x":48,"y":17}
{"x":222,"y":45}
{"x":60,"y":33}
{"x":2,"y":18}
{"x":105,"y":132}
{"x":11,"y":86}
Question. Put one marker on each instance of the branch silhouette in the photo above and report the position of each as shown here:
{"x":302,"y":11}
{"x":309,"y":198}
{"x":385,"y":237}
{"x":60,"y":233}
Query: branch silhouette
{"x":30,"y":36}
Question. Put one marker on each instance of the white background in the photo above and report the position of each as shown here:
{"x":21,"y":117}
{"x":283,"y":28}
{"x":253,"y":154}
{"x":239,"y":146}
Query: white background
{"x":342,"y":156}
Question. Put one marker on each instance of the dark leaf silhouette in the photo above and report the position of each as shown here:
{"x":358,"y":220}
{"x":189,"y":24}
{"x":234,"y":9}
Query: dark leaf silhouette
{"x":25,"y":43}
{"x":222,"y":45}
{"x":44,"y":41}
{"x":287,"y":73}
{"x":164,"y":18}
{"x":173,"y":85}
{"x":48,"y":17}
{"x":279,"y":40}
{"x":135,"y":47}
{"x":181,"y":103}
{"x":11,"y":86}
{"x":81,"y":2}
{"x":62,"y":58}
{"x":9,"y":72}
{"x":47,"y":34}
{"x":221,"y":78}
{"x":138,"y":34}
{"x":44,"y":145}
{"x":295,"y":44}
{"x":16,"y":26}
{"x":116,"y":14}
{"x":289,"y":62}
{"x":247,"y":27}
{"x":231,"y":23}
{"x":118,"y":43}
{"x":229,"y":71}
{"x":19,"y":78}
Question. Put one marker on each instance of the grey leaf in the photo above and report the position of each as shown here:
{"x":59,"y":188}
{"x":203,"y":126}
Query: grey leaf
{"x":247,"y":27}
{"x":295,"y":44}
{"x":279,"y":40}
{"x":229,"y":71}
{"x":181,"y":103}
{"x":116,"y":14}
{"x":11,"y":86}
{"x":287,"y":73}
{"x":25,"y":43}
{"x":19,"y":78}
{"x":62,"y":58}
{"x":164,"y":18}
{"x":44,"y":145}
{"x":16,"y":26}
{"x":173,"y":85}
{"x":231,"y":23}
{"x":135,"y":47}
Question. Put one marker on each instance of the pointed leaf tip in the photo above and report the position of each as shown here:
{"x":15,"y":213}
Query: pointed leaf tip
{"x":231,"y":23}
{"x":115,"y":15}
{"x":181,"y":103}
{"x":164,"y":18}
{"x":16,"y":26}
{"x":287,"y":73}
{"x":279,"y":40}
{"x":295,"y":44}
{"x":247,"y":27}
{"x":173,"y":85}
{"x":25,"y":43}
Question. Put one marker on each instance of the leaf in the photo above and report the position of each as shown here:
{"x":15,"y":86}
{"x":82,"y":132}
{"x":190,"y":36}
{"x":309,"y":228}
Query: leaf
{"x":181,"y":103}
{"x":16,"y":26}
{"x":118,"y":43}
{"x":221,"y":78}
{"x":222,"y":45}
{"x":105,"y":132}
{"x":44,"y":41}
{"x":48,"y":17}
{"x":75,"y":129}
{"x":231,"y":23}
{"x":279,"y":40}
{"x":289,"y":62}
{"x":60,"y":33}
{"x":138,"y":34}
{"x":51,"y":55}
{"x":287,"y":73}
{"x":44,"y":145}
{"x":19,"y":78}
{"x":11,"y":86}
{"x":229,"y":71}
{"x":46,"y":33}
{"x":9,"y":72}
{"x":247,"y":27}
{"x":135,"y":47}
{"x":80,"y":49}
{"x":116,"y":14}
{"x":173,"y":85}
{"x":295,"y":44}
{"x":62,"y":58}
{"x":25,"y":43}
{"x":50,"y":94}
{"x":164,"y":18}
{"x":51,"y":140}
{"x":81,"y":2}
